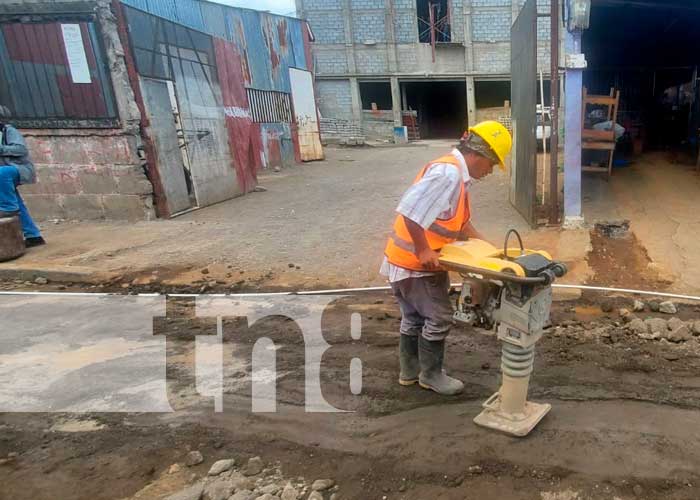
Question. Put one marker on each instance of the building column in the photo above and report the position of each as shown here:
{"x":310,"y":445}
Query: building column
{"x":573,"y":215}
{"x":349,"y":42}
{"x":355,"y":100}
{"x":471,"y":101}
{"x":396,"y":101}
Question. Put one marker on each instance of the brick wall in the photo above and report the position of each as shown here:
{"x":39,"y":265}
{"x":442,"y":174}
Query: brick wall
{"x":369,"y":25}
{"x":330,"y":61}
{"x":334,"y":99}
{"x":492,"y":57}
{"x":457,"y":17}
{"x":328,"y":26}
{"x":491,"y":3}
{"x":491,"y":25}
{"x":405,"y":27}
{"x":378,"y":124}
{"x":341,"y":131}
{"x":371,"y":60}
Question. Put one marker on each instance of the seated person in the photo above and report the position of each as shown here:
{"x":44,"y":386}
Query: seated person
{"x":16,"y":168}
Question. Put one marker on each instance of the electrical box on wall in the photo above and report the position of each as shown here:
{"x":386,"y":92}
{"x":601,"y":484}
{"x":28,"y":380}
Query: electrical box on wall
{"x":579,"y":14}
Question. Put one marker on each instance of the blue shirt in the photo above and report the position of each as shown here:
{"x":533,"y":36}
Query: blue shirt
{"x":13,"y":151}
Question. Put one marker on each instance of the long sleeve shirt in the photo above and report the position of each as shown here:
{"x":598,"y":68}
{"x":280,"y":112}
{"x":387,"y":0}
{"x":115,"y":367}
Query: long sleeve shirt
{"x":13,"y":151}
{"x":434,"y":196}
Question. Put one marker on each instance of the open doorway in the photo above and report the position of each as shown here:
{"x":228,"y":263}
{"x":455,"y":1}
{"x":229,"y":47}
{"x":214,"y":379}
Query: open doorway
{"x":441,"y":107}
{"x":648,"y":51}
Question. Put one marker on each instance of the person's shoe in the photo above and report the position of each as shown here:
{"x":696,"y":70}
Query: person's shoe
{"x":7,"y":215}
{"x":408,"y":357}
{"x":34,"y":242}
{"x":432,"y":376}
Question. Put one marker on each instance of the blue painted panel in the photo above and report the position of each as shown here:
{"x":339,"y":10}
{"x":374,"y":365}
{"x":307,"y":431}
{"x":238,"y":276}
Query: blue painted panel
{"x":189,"y":13}
{"x":214,"y":20}
{"x":297,"y":36}
{"x":139,"y":4}
{"x":163,"y":8}
{"x":248,"y":36}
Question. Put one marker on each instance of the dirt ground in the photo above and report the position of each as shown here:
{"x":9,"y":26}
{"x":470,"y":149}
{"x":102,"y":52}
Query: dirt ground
{"x":320,"y":223}
{"x":657,"y":194}
{"x":623,"y":424}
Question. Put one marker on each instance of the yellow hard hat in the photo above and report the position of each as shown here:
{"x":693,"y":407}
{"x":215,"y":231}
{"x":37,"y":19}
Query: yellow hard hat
{"x":496,"y":136}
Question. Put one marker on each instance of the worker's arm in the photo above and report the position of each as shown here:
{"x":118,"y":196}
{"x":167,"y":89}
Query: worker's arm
{"x":426,"y":255}
{"x":15,"y":144}
{"x":469,"y":231}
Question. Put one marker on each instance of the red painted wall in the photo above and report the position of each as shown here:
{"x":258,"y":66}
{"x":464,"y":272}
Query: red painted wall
{"x":243,"y":135}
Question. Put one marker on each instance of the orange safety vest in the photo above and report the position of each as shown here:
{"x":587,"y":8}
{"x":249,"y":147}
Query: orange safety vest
{"x":400,"y":249}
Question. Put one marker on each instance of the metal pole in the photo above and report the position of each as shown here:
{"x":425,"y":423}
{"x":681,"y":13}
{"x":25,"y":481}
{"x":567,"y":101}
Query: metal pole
{"x":554,"y":115}
{"x":544,"y":140}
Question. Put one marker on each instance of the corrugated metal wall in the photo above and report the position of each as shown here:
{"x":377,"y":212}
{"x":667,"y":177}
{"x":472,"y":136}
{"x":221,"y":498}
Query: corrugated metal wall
{"x":266,"y":45}
{"x":36,"y":80}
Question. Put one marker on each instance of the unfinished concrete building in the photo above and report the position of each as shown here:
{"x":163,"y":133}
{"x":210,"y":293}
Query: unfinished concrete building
{"x":379,"y":64}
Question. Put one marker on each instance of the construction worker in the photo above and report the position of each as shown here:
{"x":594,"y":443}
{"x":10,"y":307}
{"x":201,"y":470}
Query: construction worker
{"x":433,"y":212}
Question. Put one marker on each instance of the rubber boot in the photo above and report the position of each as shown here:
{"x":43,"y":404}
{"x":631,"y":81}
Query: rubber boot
{"x":408,"y":356}
{"x":432,"y":376}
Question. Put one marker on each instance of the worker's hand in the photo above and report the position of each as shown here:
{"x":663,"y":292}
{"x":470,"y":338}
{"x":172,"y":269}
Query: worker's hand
{"x":429,"y":259}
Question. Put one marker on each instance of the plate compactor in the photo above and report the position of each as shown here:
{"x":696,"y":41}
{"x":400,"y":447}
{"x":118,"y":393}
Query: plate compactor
{"x":508,"y":290}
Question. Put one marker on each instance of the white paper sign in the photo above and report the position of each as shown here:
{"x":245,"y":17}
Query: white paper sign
{"x":75,"y":50}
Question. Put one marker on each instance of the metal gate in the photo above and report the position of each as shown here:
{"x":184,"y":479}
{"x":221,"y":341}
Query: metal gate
{"x":162,"y":130}
{"x":523,"y":69}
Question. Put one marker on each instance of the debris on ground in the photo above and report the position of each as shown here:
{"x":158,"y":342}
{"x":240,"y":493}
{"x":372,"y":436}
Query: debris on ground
{"x":193,"y":458}
{"x":613,"y":229}
{"x":266,"y":484}
{"x":668,"y":307}
{"x":322,"y":484}
{"x":254,"y":466}
{"x":221,"y":466}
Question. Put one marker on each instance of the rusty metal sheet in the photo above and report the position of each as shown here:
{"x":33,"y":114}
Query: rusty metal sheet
{"x":524,"y":101}
{"x":304,"y":101}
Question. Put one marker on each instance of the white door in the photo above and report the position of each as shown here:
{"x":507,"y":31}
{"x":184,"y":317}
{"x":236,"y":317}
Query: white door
{"x":304,"y":102}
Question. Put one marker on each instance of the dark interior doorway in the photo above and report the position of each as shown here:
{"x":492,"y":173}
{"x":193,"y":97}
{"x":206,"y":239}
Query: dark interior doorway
{"x":441,"y":107}
{"x":649,"y":51}
{"x":377,"y":93}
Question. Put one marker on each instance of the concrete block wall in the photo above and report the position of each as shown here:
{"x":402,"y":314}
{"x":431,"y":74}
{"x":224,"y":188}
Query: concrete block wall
{"x":90,"y":173}
{"x":328,"y":26}
{"x":378,"y":124}
{"x":87,"y":177}
{"x":369,"y":25}
{"x":341,"y":131}
{"x":343,"y":28}
{"x":335,"y":106}
{"x":371,"y":61}
{"x":405,"y":26}
{"x":493,"y":58}
{"x":334,"y":98}
{"x":331,"y":61}
{"x":491,"y":25}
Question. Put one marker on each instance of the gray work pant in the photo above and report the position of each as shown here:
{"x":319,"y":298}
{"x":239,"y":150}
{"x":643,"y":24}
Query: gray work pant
{"x":425,"y":306}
